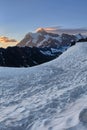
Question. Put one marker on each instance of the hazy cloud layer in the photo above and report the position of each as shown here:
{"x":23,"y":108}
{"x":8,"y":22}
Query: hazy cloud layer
{"x":5,"y":41}
{"x":61,"y":30}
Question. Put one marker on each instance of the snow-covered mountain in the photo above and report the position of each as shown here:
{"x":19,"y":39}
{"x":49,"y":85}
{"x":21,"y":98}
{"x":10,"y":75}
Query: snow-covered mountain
{"x":44,"y":39}
{"x":52,"y":96}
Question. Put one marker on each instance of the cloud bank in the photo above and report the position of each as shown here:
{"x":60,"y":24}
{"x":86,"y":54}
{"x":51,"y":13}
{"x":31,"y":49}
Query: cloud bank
{"x":6,"y":39}
{"x":5,"y":42}
{"x":60,"y":30}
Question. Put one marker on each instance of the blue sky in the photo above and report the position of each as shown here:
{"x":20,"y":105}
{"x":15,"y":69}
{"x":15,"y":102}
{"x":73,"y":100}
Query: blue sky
{"x":18,"y":17}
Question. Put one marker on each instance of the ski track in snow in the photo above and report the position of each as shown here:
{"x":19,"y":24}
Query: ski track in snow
{"x":45,"y":97}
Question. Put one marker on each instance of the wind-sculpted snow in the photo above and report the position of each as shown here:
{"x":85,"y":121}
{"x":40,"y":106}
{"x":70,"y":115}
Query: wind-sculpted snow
{"x":52,"y":96}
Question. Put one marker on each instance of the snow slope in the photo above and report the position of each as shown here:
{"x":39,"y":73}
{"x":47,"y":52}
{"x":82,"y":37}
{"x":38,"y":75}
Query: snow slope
{"x":46,"y":97}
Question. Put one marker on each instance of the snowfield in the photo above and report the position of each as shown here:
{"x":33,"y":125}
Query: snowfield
{"x":52,"y":96}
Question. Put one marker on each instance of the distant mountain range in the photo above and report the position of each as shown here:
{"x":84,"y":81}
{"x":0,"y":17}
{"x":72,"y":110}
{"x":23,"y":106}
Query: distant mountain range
{"x":43,"y":39}
{"x":37,"y":48}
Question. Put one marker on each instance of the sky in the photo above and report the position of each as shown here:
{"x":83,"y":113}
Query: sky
{"x":18,"y":17}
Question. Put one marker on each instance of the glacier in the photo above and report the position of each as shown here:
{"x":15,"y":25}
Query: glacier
{"x":51,"y":96}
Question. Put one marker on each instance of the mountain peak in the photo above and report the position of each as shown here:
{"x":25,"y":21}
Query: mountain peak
{"x":41,"y":30}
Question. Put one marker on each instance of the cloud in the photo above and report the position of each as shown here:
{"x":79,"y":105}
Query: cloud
{"x":5,"y":42}
{"x":60,"y":30}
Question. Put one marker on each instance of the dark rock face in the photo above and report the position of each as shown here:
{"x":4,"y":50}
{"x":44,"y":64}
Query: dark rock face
{"x":73,"y":43}
{"x":25,"y":56}
{"x":83,"y":40}
{"x":67,"y":39}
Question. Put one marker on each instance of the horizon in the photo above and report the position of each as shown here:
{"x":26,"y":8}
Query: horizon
{"x":6,"y":41}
